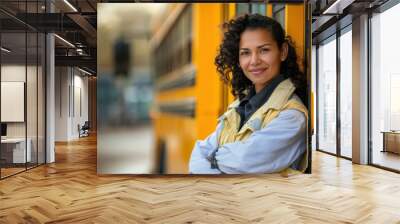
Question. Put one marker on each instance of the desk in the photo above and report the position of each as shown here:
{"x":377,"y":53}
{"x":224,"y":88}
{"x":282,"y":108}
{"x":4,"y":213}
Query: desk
{"x":391,"y":141}
{"x":13,"y":150}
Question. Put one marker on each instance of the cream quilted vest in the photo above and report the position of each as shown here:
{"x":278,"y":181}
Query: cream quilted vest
{"x":283,"y":98}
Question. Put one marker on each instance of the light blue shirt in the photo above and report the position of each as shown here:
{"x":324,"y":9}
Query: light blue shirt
{"x":271,"y":149}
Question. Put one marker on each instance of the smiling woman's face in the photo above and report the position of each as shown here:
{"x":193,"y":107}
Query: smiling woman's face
{"x":260,"y":57}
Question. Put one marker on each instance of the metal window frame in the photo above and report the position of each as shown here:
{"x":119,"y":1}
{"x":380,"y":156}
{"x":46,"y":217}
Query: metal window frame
{"x":379,"y":10}
{"x":387,"y":5}
{"x":334,"y":37}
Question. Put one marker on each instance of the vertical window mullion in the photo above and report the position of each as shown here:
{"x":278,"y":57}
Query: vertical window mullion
{"x":338,"y":73}
{"x":369,"y":100}
{"x":26,"y":85}
{"x":0,"y":90}
{"x":316,"y":96}
{"x":37,"y":90}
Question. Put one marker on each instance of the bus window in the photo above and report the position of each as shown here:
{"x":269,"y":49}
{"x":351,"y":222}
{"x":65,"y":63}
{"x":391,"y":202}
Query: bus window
{"x":259,"y":8}
{"x":242,"y":8}
{"x":278,"y":13}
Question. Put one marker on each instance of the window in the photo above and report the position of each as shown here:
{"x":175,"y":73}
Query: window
{"x":242,"y":8}
{"x":278,"y":13}
{"x":176,"y":45}
{"x":258,"y":8}
{"x":327,"y":96}
{"x":346,"y":93}
{"x":385,"y":86}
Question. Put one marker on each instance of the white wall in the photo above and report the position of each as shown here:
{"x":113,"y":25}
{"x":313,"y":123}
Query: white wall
{"x":62,"y":81}
{"x":12,"y":101}
{"x":33,"y":126}
{"x":13,"y":73}
{"x":71,"y":94}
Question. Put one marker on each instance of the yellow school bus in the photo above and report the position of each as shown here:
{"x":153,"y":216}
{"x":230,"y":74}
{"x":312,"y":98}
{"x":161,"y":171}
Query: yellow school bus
{"x":190,"y":96}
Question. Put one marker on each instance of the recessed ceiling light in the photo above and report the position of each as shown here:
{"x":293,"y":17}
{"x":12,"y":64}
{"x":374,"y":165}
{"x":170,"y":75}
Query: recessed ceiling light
{"x":64,"y":40}
{"x":70,"y":5}
{"x":5,"y":49}
{"x":337,"y":7}
{"x":84,"y":71}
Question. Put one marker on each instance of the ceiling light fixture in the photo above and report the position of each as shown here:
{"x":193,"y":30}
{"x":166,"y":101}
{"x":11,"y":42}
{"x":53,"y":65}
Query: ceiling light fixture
{"x":5,"y":49}
{"x":84,"y":71}
{"x":70,"y":5}
{"x":64,"y":40}
{"x":337,"y":7}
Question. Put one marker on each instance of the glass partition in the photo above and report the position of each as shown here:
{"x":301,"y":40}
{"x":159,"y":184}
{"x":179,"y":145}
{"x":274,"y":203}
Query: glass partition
{"x":22,"y":90}
{"x":346,"y":93}
{"x":13,"y":108}
{"x":385,"y":89}
{"x":327,"y":96}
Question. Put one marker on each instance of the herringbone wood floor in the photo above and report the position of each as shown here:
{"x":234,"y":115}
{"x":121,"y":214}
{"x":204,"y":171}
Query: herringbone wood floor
{"x":69,"y":191}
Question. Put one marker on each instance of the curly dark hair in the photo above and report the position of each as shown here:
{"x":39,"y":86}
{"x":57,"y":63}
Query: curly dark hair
{"x":227,"y":60}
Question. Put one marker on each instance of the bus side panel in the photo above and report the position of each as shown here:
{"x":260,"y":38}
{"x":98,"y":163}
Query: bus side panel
{"x":179,"y":135}
{"x":206,"y":39}
{"x":294,"y":17}
{"x":269,"y":10}
{"x":177,"y":94}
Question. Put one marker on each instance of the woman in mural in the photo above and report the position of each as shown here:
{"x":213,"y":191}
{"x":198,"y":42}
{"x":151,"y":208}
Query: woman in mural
{"x":265,"y":129}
